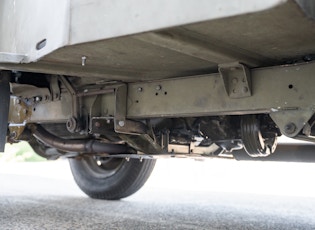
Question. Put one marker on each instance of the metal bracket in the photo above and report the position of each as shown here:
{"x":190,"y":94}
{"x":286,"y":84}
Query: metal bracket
{"x":191,"y":149}
{"x":291,"y":121}
{"x":236,"y":79}
{"x":121,"y":124}
{"x":73,"y":124}
{"x":72,"y":92}
{"x":19,"y":114}
{"x":102,"y":125}
{"x":54,"y":88}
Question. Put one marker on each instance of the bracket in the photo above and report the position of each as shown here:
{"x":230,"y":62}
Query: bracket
{"x":73,"y":123}
{"x":291,"y":121}
{"x":121,"y":124}
{"x":237,"y":80}
{"x":54,"y":88}
{"x":72,"y":92}
{"x":102,"y":125}
{"x":19,"y":114}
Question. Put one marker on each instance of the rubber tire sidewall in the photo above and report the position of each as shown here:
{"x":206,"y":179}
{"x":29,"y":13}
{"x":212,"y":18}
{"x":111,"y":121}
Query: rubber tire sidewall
{"x":128,"y":179}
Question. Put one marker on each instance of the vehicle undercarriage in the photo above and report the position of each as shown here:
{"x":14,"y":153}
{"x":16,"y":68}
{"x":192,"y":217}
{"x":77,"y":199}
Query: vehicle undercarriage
{"x":210,"y":87}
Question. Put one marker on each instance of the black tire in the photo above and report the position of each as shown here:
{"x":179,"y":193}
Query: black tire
{"x":110,"y":178}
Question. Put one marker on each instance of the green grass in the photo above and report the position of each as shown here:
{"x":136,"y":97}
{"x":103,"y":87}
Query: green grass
{"x":20,"y":152}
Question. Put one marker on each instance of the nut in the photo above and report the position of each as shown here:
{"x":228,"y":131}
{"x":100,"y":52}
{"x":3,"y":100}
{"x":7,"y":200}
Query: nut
{"x":290,"y":128}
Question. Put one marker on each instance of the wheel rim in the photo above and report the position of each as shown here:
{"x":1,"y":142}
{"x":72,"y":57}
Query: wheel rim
{"x":101,"y":167}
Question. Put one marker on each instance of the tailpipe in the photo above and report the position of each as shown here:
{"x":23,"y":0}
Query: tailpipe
{"x":80,"y":146}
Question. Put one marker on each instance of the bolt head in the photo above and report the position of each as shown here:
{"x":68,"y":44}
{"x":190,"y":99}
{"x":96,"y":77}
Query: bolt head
{"x":83,"y":60}
{"x":158,"y":87}
{"x":235,"y":80}
{"x":121,"y":123}
{"x":245,"y":89}
{"x":290,"y":128}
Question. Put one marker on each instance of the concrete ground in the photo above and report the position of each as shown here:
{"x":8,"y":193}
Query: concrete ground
{"x":180,"y":194}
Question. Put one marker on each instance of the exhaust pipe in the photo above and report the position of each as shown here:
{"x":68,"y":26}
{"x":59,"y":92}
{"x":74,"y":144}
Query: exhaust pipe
{"x":80,"y":146}
{"x":284,"y":152}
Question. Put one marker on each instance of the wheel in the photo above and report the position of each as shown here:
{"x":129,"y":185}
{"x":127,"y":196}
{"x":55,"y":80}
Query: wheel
{"x":110,"y":178}
{"x":255,"y":144}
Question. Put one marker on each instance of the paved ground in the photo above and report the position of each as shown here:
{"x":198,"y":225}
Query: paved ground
{"x":181,"y":194}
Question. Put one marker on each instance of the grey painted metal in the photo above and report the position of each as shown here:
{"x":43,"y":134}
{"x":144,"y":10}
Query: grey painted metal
{"x":190,"y":43}
{"x":36,"y":28}
{"x":292,"y":120}
{"x":288,"y":87}
{"x":285,"y":92}
{"x":237,"y":80}
{"x":193,"y":49}
{"x":121,"y":18}
{"x":55,"y":111}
